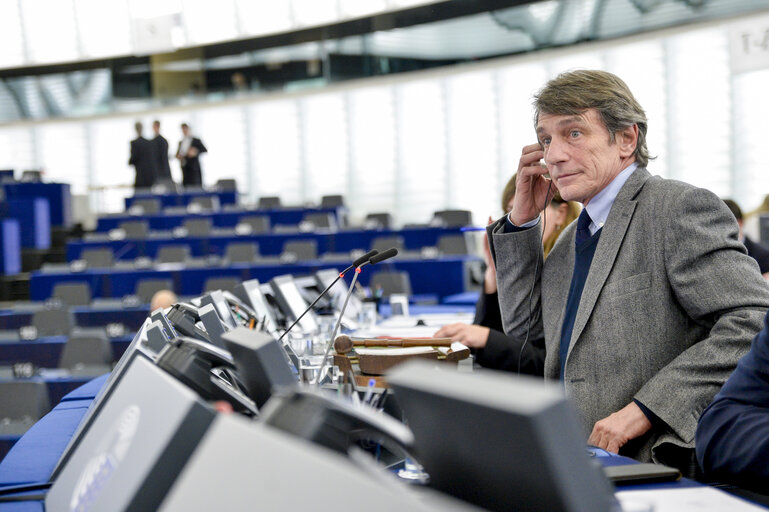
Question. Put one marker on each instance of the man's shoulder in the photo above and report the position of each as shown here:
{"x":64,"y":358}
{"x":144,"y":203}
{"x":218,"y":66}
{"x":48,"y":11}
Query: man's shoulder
{"x":664,"y":191}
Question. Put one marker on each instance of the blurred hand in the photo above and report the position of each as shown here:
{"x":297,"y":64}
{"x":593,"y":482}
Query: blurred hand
{"x":532,"y":190}
{"x":192,"y":152}
{"x":473,"y":336}
{"x":614,"y":431}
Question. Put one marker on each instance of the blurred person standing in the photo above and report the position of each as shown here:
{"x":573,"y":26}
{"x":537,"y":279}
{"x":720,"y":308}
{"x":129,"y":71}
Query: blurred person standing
{"x":141,"y":159}
{"x":159,"y":146}
{"x":188,"y":154}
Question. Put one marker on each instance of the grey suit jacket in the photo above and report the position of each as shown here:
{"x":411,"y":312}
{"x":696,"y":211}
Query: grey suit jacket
{"x":670,"y":304}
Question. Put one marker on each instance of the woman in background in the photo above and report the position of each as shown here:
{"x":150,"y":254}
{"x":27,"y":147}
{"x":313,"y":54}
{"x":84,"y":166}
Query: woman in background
{"x":491,"y":346}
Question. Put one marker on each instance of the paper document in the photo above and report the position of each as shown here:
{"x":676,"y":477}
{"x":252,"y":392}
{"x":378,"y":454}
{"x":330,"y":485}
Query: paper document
{"x":699,"y":499}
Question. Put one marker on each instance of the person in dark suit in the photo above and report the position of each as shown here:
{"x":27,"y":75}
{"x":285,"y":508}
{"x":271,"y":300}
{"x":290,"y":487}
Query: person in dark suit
{"x":188,"y":154}
{"x":141,"y":159}
{"x":756,"y":250}
{"x":733,"y":432}
{"x":647,"y":302}
{"x":159,"y":153}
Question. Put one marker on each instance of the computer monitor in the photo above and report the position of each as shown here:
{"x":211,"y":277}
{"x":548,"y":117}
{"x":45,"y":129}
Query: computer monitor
{"x":250,"y":292}
{"x":214,"y":325}
{"x":138,"y":348}
{"x":499,"y":441}
{"x":291,"y":302}
{"x":222,"y":307}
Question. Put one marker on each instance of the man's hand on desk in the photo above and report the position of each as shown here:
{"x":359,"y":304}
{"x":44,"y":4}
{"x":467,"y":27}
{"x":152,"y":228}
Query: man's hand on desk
{"x":473,"y":336}
{"x":612,"y":432}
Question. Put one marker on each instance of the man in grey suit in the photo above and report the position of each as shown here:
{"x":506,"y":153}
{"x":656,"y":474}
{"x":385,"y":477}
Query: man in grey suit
{"x":647,"y":302}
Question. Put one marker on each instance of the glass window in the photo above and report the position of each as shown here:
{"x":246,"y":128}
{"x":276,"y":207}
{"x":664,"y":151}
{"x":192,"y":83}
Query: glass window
{"x":372,"y":149}
{"x":324,"y":132}
{"x":421,"y":182}
{"x":276,"y":150}
{"x":472,"y":144}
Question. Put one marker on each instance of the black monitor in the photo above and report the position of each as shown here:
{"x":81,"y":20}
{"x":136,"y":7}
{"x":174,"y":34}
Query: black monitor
{"x":184,"y":318}
{"x":291,"y":302}
{"x":499,"y":441}
{"x":261,"y":362}
{"x":250,"y":292}
{"x":222,"y":307}
{"x":214,"y":325}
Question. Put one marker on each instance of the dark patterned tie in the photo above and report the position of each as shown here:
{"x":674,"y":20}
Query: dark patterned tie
{"x":583,"y":225}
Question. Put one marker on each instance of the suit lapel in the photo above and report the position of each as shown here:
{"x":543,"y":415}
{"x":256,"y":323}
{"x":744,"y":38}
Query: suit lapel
{"x":612,"y":234}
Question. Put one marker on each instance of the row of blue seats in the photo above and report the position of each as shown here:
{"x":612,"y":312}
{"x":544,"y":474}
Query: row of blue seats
{"x":442,"y":276}
{"x":303,"y":245}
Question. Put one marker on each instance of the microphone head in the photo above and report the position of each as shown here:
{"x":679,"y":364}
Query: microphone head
{"x":389,"y":253}
{"x":363,"y":259}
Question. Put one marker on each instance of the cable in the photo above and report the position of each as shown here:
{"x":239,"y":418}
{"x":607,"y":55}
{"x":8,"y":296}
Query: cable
{"x":534,"y":282}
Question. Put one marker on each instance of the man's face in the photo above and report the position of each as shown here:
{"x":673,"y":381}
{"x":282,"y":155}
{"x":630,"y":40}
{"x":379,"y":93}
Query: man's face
{"x":185,"y":130}
{"x":579,"y":154}
{"x":156,"y":128}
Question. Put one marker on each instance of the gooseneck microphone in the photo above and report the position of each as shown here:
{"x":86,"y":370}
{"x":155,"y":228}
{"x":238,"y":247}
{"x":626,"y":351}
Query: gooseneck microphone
{"x":355,"y":264}
{"x":384,"y":255}
{"x":389,"y":253}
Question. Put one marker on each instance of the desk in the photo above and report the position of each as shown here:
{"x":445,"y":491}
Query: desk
{"x":98,"y":314}
{"x":224,"y":219}
{"x":45,"y":352}
{"x":57,"y":194}
{"x":32,"y":459}
{"x":270,"y":244}
{"x":183,"y":198}
{"x":34,"y":216}
{"x":444,"y":276}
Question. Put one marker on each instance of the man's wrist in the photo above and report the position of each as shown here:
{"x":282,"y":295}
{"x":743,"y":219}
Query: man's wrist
{"x":512,"y":227}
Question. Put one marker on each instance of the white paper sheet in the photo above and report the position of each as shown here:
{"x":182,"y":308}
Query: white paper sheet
{"x":699,"y":499}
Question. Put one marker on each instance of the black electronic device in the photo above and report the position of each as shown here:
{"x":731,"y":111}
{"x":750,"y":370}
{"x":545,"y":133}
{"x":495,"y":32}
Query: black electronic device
{"x":214,"y":325}
{"x":156,"y":337}
{"x":292,"y":304}
{"x":159,"y":316}
{"x":250,"y":293}
{"x":136,"y":446}
{"x":498,"y":441}
{"x":217,"y":299}
{"x":242,"y":312}
{"x":326,"y":287}
{"x":260,"y":361}
{"x":246,"y":465}
{"x":206,"y":369}
{"x":641,"y":473}
{"x":138,"y":348}
{"x":333,"y":422}
{"x":184,"y":318}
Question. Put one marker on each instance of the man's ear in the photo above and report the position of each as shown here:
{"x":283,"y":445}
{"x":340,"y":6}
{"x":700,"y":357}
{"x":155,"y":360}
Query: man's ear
{"x":627,"y":139}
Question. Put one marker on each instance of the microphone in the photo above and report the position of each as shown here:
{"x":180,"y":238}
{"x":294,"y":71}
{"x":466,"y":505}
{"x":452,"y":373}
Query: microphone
{"x":355,"y":264}
{"x":389,"y":253}
{"x":384,"y":255}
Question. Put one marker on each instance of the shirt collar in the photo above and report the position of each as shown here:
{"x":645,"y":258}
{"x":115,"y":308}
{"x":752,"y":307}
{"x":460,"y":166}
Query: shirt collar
{"x":600,"y":206}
